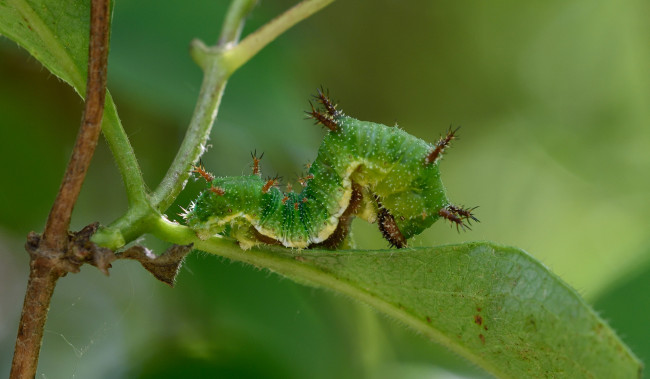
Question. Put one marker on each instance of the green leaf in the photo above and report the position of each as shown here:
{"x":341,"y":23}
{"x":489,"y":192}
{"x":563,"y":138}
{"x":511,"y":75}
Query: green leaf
{"x":57,"y":33}
{"x":494,"y":305}
{"x":54,"y":32}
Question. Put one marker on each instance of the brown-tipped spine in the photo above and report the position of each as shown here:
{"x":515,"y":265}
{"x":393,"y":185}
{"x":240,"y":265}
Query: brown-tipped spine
{"x":199,"y":169}
{"x":322,"y":118}
{"x":322,"y":97}
{"x":440,"y":147}
{"x":328,"y":115}
{"x":459,"y":216}
{"x":465,"y":213}
{"x":303,"y":180}
{"x":217,"y":190}
{"x":270,"y":183}
{"x":256,"y":162}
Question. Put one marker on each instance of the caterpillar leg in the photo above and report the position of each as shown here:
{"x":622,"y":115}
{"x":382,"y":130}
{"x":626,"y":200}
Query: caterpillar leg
{"x":388,"y":227}
{"x":245,"y":235}
{"x":460,"y":216}
{"x":341,"y":236}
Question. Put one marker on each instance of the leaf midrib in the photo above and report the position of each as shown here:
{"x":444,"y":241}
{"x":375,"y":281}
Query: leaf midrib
{"x":49,"y":39}
{"x":309,"y":272}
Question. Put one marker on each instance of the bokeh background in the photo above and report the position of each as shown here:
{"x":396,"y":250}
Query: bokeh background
{"x":554,"y":102}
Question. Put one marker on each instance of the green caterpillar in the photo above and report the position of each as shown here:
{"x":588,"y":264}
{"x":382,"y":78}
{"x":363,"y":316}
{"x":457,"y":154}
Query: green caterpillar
{"x":378,"y":173}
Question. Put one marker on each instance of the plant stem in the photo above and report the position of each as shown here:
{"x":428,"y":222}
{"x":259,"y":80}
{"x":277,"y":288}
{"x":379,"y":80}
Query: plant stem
{"x":40,"y":287}
{"x":124,"y":155}
{"x":55,"y":236}
{"x":136,"y":220}
{"x":47,"y":263}
{"x":233,"y":23}
{"x":253,"y":43}
{"x":218,"y":63}
{"x":214,"y":83}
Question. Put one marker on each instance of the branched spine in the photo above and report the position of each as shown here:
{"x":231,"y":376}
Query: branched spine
{"x":441,"y":145}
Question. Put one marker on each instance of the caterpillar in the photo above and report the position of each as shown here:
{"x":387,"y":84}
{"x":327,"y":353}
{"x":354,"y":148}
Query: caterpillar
{"x":363,"y":169}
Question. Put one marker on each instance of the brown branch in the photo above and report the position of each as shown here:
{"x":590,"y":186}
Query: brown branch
{"x":50,"y":256}
{"x":42,"y":280}
{"x":58,"y":222}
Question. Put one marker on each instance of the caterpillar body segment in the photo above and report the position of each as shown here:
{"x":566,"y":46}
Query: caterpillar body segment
{"x":378,"y":173}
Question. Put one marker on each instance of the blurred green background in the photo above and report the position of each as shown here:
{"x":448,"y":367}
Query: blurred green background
{"x":554,"y":102}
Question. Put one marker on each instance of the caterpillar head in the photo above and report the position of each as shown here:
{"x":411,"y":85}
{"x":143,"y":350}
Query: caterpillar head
{"x":227,"y":201}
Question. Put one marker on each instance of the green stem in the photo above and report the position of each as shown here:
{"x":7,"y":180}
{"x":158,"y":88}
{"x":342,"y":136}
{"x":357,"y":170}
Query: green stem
{"x":218,"y":63}
{"x":233,"y":23}
{"x":137,"y":219}
{"x":69,"y":71}
{"x":134,"y":223}
{"x":214,"y":83}
{"x":141,"y":212}
{"x":252,"y":44}
{"x":124,"y":155}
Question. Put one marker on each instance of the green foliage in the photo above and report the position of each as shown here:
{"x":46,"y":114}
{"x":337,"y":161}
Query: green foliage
{"x":629,"y":318}
{"x":494,"y":305}
{"x":54,"y":32}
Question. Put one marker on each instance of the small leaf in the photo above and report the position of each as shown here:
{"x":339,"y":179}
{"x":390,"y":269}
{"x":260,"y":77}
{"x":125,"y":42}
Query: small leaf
{"x":494,"y":305}
{"x":54,"y":32}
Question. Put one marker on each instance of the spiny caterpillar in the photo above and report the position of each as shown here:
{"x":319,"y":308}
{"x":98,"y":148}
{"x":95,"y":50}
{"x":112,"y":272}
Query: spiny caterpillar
{"x":378,"y":173}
